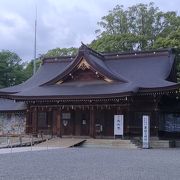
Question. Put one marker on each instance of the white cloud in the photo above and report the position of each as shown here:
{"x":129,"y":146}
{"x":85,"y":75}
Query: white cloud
{"x":14,"y":31}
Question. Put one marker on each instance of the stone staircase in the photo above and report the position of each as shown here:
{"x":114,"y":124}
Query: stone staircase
{"x":108,"y":143}
{"x":177,"y":143}
{"x":155,"y":143}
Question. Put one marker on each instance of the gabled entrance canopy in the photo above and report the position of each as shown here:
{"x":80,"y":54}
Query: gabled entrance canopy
{"x":87,"y":59}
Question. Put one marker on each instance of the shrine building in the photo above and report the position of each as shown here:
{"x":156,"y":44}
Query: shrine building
{"x":79,"y":95}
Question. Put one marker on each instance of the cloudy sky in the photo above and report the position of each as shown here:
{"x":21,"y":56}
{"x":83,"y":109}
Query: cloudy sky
{"x":61,"y":23}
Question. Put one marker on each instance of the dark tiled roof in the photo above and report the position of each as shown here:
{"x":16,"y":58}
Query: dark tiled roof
{"x":148,"y":71}
{"x":100,"y":64}
{"x":79,"y":89}
{"x":45,"y":73}
{"x":96,"y":62}
{"x":129,"y":72}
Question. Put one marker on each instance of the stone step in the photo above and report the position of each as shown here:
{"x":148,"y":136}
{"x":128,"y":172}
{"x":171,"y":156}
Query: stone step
{"x":161,"y":144}
{"x":155,"y":142}
{"x":177,"y":143}
{"x":109,"y":143}
{"x":130,"y":146}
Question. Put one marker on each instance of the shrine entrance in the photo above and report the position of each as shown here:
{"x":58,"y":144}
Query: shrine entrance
{"x":75,"y":122}
{"x":81,"y":122}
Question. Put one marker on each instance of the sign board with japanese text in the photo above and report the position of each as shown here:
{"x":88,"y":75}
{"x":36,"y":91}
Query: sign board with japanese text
{"x":118,"y":125}
{"x":146,"y":131}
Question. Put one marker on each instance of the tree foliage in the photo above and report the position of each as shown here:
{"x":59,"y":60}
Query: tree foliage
{"x":11,"y":69}
{"x":171,"y":40}
{"x":61,"y":52}
{"x":115,"y":43}
{"x":138,"y":27}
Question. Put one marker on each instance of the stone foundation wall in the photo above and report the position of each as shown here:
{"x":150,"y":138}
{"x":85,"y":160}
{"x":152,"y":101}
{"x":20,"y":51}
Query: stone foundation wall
{"x":12,"y":123}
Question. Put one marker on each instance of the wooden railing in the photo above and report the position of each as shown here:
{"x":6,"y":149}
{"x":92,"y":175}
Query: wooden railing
{"x":11,"y":140}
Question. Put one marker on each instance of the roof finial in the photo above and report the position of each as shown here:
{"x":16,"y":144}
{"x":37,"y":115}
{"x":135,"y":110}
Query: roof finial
{"x":83,"y":46}
{"x":87,"y":49}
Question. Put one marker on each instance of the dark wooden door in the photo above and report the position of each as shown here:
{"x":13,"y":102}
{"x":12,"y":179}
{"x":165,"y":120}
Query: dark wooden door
{"x":99,"y":123}
{"x":85,"y":118}
{"x":66,"y":123}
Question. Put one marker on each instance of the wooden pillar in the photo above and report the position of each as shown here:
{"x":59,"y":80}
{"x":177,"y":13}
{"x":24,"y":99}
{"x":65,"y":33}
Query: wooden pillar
{"x":58,"y":123}
{"x":154,"y":119}
{"x":155,"y":123}
{"x":92,"y":123}
{"x":28,"y":120}
{"x":49,"y":120}
{"x":54,"y":122}
{"x":128,"y":121}
{"x":34,"y":121}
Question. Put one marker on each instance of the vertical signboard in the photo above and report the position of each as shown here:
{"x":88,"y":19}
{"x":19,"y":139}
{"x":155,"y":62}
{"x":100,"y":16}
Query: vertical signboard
{"x":146,"y":131}
{"x":118,"y":125}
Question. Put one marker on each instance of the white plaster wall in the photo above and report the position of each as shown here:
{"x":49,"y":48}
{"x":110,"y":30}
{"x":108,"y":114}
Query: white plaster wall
{"x":12,"y":123}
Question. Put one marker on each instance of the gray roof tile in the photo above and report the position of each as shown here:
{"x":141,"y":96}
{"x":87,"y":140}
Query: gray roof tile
{"x":145,"y":70}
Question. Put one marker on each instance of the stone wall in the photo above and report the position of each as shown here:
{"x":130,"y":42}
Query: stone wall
{"x":12,"y":123}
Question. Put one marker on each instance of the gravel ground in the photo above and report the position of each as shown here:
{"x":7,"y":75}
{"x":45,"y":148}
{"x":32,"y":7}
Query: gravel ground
{"x":91,"y":164}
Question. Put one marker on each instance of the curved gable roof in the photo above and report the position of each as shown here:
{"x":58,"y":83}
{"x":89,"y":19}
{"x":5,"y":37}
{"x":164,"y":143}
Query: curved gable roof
{"x":142,"y":71}
{"x":93,"y":60}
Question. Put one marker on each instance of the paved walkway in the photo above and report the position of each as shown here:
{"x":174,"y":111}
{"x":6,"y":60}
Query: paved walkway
{"x":57,"y":142}
{"x":24,"y":149}
{"x":54,"y":143}
{"x":91,"y":164}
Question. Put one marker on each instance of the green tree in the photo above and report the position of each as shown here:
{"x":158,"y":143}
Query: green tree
{"x":11,"y":69}
{"x":171,"y":40}
{"x":135,"y":28}
{"x":61,"y":52}
{"x":115,"y":43}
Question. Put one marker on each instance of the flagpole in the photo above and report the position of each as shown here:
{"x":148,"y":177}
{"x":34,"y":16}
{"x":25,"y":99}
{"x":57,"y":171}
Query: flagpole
{"x":35,"y":32}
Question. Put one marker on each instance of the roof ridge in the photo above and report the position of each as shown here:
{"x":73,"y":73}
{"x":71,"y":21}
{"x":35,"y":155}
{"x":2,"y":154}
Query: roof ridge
{"x":153,"y":51}
{"x":103,"y":55}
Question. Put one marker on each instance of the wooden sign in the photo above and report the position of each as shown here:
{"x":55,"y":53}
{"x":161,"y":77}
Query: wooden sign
{"x":146,"y":131}
{"x":118,"y":125}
